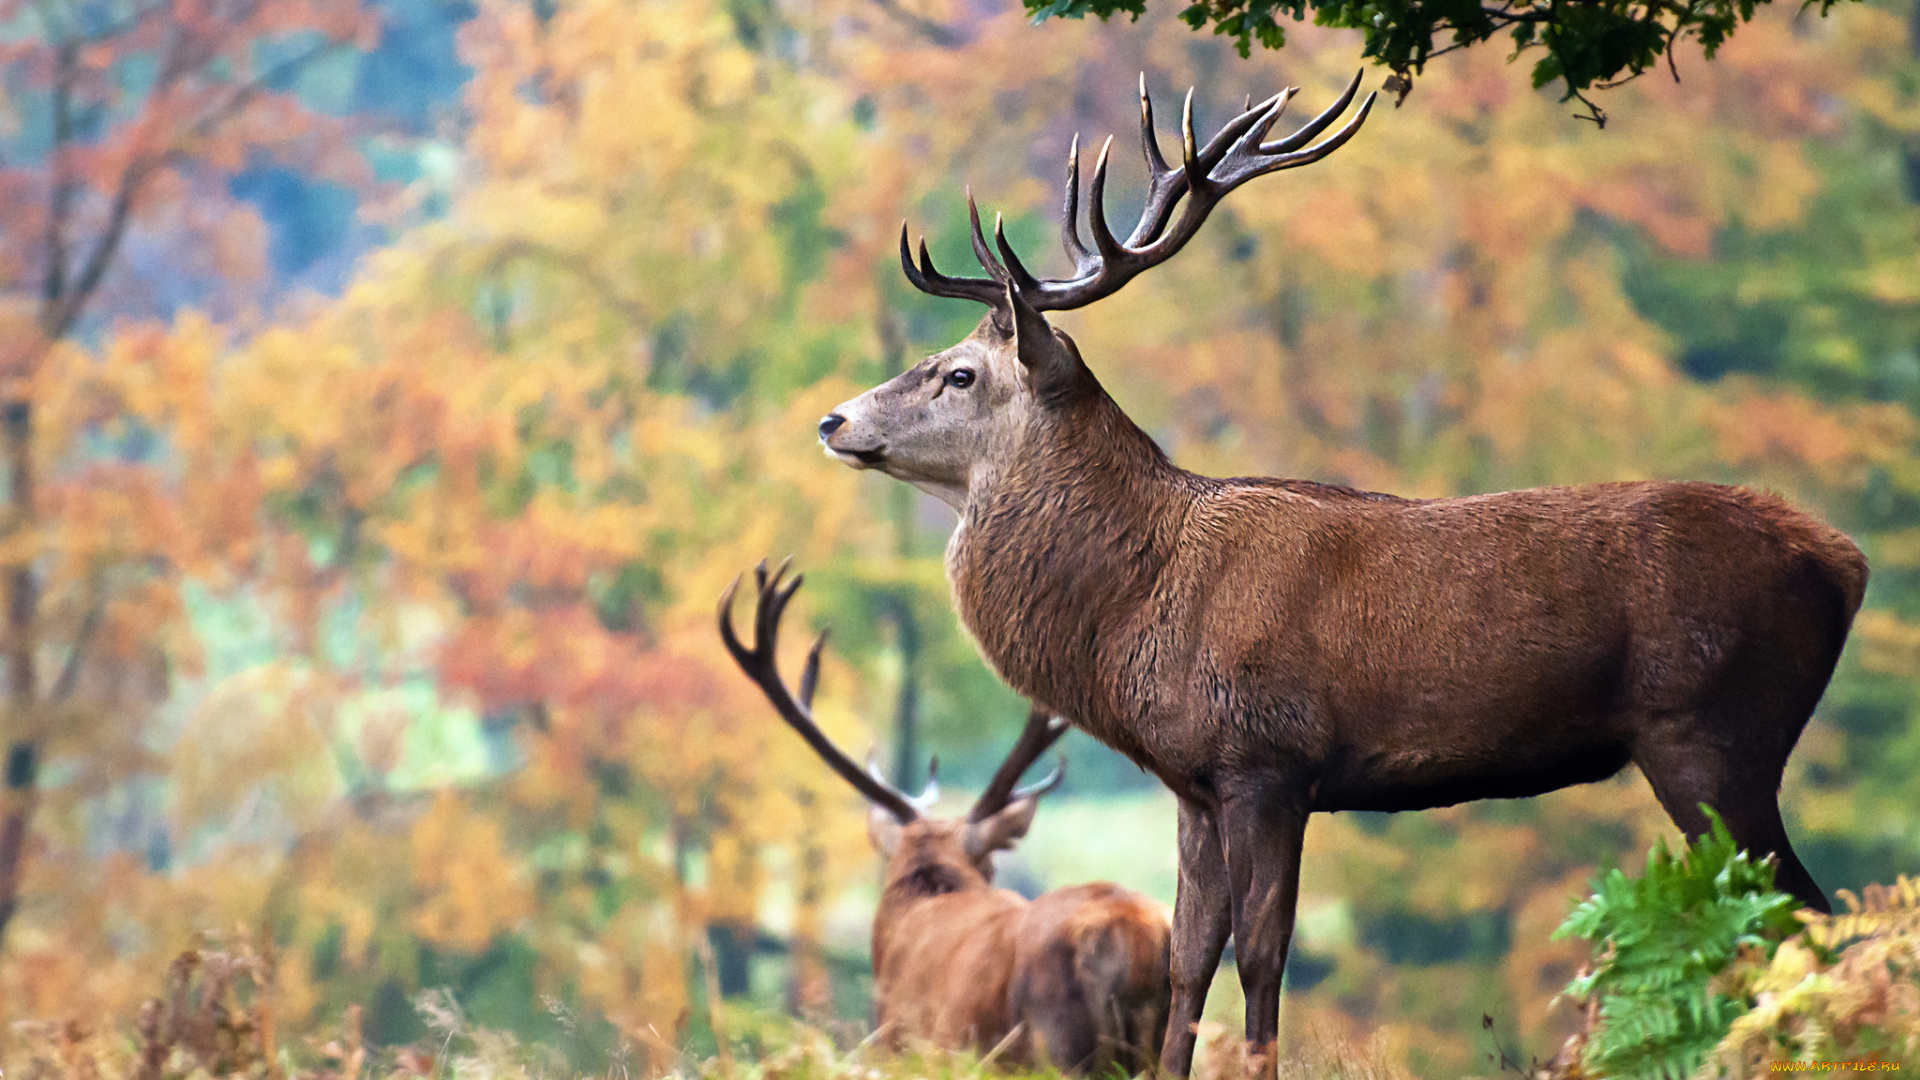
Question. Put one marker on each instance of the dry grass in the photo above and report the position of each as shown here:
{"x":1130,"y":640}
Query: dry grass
{"x":213,"y":1019}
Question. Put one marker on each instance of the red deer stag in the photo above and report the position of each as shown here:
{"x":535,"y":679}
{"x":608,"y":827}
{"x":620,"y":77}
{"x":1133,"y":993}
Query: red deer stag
{"x":1076,"y":978}
{"x":1272,"y":648}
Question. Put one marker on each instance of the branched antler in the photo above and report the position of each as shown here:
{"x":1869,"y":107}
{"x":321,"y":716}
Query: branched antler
{"x":1194,"y":187}
{"x":760,"y":665}
{"x":1042,"y":731}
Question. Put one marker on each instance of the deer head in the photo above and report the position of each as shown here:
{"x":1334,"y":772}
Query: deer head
{"x":968,"y":409}
{"x":896,"y":823}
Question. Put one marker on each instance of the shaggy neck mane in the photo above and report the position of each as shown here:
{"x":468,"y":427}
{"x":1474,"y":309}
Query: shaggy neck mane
{"x":1068,"y":537}
{"x":928,"y":872}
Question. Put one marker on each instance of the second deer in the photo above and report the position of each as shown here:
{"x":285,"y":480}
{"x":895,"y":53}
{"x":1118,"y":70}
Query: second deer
{"x":1075,"y":979}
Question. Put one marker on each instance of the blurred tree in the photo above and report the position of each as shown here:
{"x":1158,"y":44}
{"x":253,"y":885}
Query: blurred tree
{"x":121,"y":120}
{"x":482,"y":736}
{"x":528,"y":448}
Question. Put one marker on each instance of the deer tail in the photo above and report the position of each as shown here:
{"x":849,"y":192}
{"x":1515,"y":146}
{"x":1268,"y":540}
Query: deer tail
{"x":1121,"y":966}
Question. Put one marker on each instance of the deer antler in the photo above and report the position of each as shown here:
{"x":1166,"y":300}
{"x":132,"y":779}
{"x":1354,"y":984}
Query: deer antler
{"x":1042,"y":731}
{"x":760,"y":665}
{"x":1196,"y":185}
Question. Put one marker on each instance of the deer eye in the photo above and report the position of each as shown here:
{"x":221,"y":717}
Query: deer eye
{"x":960,"y":378}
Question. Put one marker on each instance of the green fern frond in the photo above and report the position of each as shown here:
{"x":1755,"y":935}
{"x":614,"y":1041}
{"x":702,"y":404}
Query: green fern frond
{"x":1660,"y":940}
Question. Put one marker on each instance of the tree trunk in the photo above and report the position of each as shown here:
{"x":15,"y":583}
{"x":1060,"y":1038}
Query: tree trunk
{"x":810,"y":987}
{"x":23,"y":604}
{"x":906,"y":711}
{"x":898,"y":608}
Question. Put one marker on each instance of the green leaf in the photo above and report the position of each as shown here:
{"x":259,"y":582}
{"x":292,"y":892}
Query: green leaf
{"x":1587,"y":42}
{"x":1660,"y":939}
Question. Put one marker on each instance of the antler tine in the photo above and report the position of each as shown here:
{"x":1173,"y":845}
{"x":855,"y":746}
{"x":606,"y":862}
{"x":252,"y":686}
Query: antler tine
{"x":1070,"y":215}
{"x":1149,"y":141}
{"x":1110,"y":250}
{"x":1165,"y":186}
{"x":810,"y":675}
{"x":932,"y":282}
{"x":773,"y":604}
{"x":1022,"y":280}
{"x":1042,"y":730}
{"x":1275,"y":106}
{"x":760,"y":664}
{"x":980,"y":249}
{"x":1189,"y":151}
{"x":1318,"y":124}
{"x":931,"y":793}
{"x":1262,"y":165}
{"x":1255,"y":118}
{"x":1044,"y":784}
{"x":1234,"y":155}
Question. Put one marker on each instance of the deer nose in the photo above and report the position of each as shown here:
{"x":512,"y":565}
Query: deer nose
{"x":831,"y":424}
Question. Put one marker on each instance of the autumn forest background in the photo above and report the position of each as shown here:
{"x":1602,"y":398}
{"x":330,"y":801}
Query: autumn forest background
{"x":389,"y":388}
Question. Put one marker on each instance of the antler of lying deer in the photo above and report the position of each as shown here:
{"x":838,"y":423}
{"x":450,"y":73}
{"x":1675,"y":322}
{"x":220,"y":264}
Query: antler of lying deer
{"x":1042,"y":731}
{"x":1204,"y":176}
{"x":761,"y":666}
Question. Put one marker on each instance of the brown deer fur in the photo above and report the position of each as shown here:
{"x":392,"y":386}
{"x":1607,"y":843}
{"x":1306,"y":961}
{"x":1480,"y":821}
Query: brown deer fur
{"x":1274,"y":648}
{"x":1076,"y":979}
{"x":1080,"y":972}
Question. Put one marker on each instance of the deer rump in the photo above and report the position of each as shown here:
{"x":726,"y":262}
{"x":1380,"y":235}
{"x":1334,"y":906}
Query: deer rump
{"x":1076,"y":978}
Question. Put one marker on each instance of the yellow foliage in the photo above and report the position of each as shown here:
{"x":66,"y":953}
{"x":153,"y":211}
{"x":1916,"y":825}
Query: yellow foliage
{"x":1846,"y":989}
{"x":470,"y":889}
{"x":1886,"y":644}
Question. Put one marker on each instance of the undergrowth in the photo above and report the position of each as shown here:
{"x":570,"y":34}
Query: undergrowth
{"x":214,"y":1019}
{"x":1703,"y":969}
{"x":1847,"y":988}
{"x":1662,"y":938}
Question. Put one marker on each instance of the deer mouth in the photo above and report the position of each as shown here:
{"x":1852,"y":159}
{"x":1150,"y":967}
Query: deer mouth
{"x":861,"y":459}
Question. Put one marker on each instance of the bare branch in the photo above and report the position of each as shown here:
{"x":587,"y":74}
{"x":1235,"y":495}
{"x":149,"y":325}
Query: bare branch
{"x":522,"y":248}
{"x":60,"y":197}
{"x":59,"y":316}
{"x":936,"y":32}
{"x":244,"y":94}
{"x":69,"y":678}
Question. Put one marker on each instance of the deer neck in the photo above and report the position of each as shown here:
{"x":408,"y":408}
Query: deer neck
{"x":913,"y":878}
{"x":1058,"y":548}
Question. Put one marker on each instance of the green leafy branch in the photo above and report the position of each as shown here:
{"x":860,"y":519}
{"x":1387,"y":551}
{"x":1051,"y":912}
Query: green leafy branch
{"x":1589,"y":44}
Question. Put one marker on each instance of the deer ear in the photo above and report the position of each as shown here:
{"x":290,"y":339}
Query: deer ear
{"x":1002,"y":830}
{"x":883,"y":830}
{"x":1047,"y":356}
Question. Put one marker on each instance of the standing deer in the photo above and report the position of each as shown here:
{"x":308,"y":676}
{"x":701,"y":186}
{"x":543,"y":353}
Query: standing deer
{"x":1274,"y":648}
{"x":1076,"y":979}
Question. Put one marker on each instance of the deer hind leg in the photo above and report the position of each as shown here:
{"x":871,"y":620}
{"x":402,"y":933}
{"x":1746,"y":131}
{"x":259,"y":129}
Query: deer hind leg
{"x":1202,"y":919}
{"x":1741,"y":783}
{"x":1049,"y":1002}
{"x":1262,"y":833}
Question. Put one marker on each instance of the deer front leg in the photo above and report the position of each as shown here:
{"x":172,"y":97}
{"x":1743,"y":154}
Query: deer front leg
{"x":1263,"y":832}
{"x":1202,"y":919}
